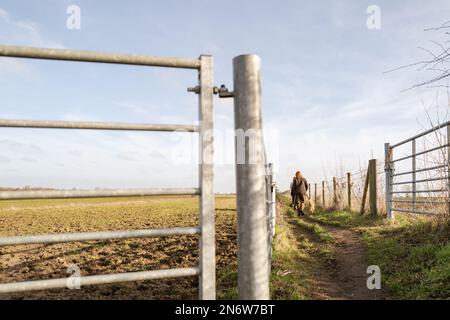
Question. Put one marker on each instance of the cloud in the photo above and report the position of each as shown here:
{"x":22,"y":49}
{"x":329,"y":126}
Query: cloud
{"x":4,"y":159}
{"x":24,"y":32}
{"x":29,"y":160}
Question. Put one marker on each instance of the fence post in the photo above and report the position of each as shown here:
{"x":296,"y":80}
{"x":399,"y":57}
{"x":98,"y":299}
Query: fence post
{"x":315,"y":192}
{"x":323,"y":194}
{"x":207,"y":278}
{"x":413,"y":169}
{"x":253,"y":266}
{"x":349,"y":191}
{"x":334,"y":193}
{"x":366,"y":187}
{"x":373,"y":187}
{"x":309,"y":190}
{"x":388,"y":178}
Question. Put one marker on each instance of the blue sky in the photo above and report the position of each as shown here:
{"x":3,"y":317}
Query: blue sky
{"x":326,"y":99}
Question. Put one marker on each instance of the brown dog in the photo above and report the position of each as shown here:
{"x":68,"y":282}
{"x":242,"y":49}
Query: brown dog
{"x":310,"y":202}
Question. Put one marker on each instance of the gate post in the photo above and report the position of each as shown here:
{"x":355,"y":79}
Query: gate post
{"x":413,"y":167}
{"x":448,"y":170}
{"x":388,"y":178}
{"x":207,"y":278}
{"x":253,"y":264}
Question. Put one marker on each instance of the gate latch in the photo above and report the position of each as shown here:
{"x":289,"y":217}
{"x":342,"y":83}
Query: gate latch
{"x":223,"y":92}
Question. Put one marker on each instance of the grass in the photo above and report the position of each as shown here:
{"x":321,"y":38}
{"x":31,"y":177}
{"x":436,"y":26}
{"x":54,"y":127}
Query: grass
{"x":414,"y":258}
{"x":345,"y":219}
{"x":413,"y":252}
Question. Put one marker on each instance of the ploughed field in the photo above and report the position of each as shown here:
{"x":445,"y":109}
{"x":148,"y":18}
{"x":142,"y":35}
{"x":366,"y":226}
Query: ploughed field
{"x":46,"y":261}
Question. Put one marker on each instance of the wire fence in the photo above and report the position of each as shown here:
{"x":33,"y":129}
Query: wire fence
{"x":345,"y":192}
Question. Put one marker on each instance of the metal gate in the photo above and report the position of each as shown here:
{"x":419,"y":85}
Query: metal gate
{"x":428,"y":193}
{"x":206,"y":229}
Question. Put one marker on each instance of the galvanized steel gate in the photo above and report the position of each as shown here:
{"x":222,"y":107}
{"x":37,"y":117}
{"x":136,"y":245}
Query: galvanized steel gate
{"x":432,"y":190}
{"x":255,"y":187}
{"x":206,"y":229}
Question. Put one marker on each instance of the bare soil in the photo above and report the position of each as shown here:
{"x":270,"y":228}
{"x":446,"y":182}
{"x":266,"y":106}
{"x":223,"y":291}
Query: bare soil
{"x":345,"y":277}
{"x":36,"y":262}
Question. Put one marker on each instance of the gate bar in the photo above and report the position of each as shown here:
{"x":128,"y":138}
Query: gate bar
{"x":102,"y":235}
{"x":92,"y":56}
{"x":420,"y":153}
{"x":56,"y":124}
{"x":418,"y":201}
{"x":440,"y":126}
{"x":421,"y":191}
{"x":420,"y":170}
{"x":98,"y":279}
{"x":412,"y":211}
{"x":60,"y":194}
{"x":418,"y":181}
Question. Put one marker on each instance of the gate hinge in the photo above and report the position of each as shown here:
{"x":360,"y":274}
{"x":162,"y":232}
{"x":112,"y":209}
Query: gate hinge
{"x":223,"y":92}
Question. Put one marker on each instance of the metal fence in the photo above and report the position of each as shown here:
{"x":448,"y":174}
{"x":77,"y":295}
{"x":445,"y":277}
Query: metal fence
{"x":271,"y":194}
{"x":417,"y":181}
{"x":206,"y":269}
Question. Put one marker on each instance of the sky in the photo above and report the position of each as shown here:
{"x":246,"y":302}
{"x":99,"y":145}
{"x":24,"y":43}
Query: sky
{"x":328,"y":103}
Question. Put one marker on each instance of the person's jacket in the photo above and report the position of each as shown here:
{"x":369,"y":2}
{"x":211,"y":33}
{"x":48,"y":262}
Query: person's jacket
{"x":300,"y":186}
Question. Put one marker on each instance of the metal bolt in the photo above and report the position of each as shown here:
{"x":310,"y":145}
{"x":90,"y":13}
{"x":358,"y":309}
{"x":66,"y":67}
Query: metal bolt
{"x":195,"y":89}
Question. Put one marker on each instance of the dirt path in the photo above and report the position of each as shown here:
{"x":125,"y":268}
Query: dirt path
{"x":346,"y":278}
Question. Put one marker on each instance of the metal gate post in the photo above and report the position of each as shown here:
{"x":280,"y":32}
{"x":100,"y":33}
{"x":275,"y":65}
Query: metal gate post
{"x":448,"y":170}
{"x":253,"y":264}
{"x":388,"y":178}
{"x":207,"y":279}
{"x":413,"y":169}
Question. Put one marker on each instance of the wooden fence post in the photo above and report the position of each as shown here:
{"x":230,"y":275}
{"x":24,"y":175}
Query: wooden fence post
{"x":323,"y":194}
{"x":366,"y":186}
{"x":315,"y":192}
{"x":309,"y":190}
{"x":334,"y":192}
{"x":373,"y":187}
{"x":349,"y":190}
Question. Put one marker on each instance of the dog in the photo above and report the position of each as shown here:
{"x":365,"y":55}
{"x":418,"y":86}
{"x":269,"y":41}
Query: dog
{"x":307,"y":201}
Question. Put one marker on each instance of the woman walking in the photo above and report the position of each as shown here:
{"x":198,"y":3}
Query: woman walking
{"x":299,"y":189}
